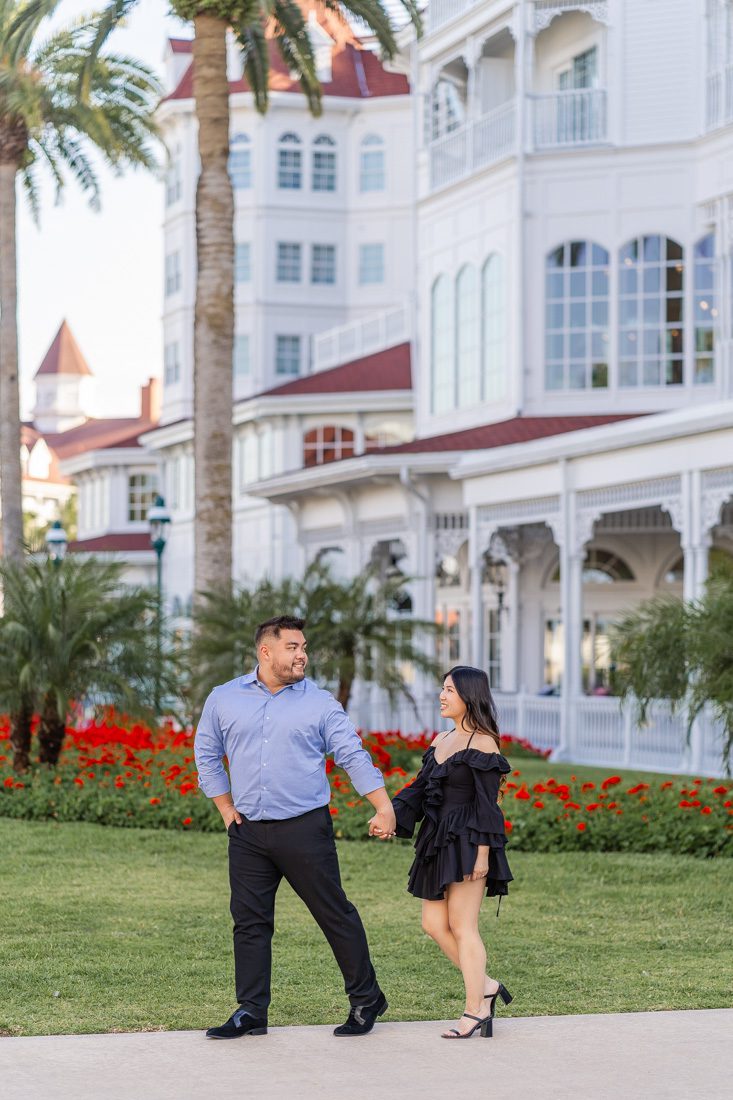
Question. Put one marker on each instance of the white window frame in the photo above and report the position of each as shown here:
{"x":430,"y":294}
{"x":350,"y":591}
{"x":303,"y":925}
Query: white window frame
{"x":289,"y":163}
{"x":371,"y":263}
{"x":289,"y":262}
{"x":288,"y":354}
{"x":323,"y":264}
{"x":372,"y":164}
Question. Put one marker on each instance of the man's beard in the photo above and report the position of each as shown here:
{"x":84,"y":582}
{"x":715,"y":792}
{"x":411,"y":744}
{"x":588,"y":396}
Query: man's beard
{"x":290,"y":674}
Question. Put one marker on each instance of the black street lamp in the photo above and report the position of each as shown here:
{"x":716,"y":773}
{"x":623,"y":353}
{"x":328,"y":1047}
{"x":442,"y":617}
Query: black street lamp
{"x":158,"y":521}
{"x":56,"y":543}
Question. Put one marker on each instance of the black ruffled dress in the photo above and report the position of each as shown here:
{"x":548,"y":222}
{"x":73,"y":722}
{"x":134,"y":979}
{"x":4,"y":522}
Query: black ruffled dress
{"x":456,"y":801}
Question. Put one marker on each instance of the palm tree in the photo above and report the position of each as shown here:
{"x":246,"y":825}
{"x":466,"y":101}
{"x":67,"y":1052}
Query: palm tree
{"x":44,"y":122}
{"x":682,"y":652}
{"x":72,"y":632}
{"x":352,"y":629}
{"x":257,"y":24}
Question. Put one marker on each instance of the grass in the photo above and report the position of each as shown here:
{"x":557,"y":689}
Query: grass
{"x":109,"y":929}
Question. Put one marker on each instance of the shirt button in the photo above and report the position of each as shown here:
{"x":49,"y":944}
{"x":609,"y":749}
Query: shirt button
{"x":264,"y":765}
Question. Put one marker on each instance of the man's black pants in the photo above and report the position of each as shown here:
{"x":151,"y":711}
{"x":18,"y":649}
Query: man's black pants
{"x":303,"y":851}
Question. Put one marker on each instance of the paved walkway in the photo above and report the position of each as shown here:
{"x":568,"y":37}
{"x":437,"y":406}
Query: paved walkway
{"x":649,"y":1055}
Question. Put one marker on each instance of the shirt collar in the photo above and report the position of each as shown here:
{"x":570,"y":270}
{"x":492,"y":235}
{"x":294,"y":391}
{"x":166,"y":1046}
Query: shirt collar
{"x":252,"y":678}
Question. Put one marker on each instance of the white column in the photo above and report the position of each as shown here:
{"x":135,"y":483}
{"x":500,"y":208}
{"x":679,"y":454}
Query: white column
{"x":477,"y":609}
{"x":510,"y":636}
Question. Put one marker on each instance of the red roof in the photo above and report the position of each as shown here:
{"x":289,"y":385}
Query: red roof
{"x":520,"y":429}
{"x":384,"y":370}
{"x":356,"y":73}
{"x":64,"y":356}
{"x":122,"y":540}
{"x":180,"y":45}
{"x":95,"y":435}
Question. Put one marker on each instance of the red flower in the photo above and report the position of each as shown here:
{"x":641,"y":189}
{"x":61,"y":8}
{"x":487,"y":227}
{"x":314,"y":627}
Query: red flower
{"x":16,"y":785}
{"x":573,"y":778}
{"x":79,"y":781}
{"x":728,"y":804}
{"x":593,"y":806}
{"x":523,"y":794}
{"x":588,"y":787}
{"x":572,"y":806}
{"x":8,"y":782}
{"x":720,"y":790}
{"x":333,"y":811}
{"x":516,"y":773}
{"x":187,"y":820}
{"x":612,"y":805}
{"x":706,"y":810}
{"x":186,"y":787}
{"x":610,"y":782}
{"x":508,"y":826}
{"x":637,"y":788}
{"x":685,"y":805}
{"x":581,"y":826}
{"x":667,"y":785}
{"x":539,"y":805}
{"x":155,"y":802}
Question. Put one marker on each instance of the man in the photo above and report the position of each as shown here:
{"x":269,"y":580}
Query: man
{"x":276,"y":727}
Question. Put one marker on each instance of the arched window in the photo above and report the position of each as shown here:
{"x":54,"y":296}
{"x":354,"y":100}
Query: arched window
{"x":328,"y":443}
{"x":706,"y":310}
{"x":468,"y":335}
{"x":240,"y":162}
{"x":447,"y":109}
{"x":576,"y":317}
{"x":651,"y":345}
{"x":289,"y":163}
{"x":324,"y":164}
{"x":371,"y":164}
{"x":493,"y":329}
{"x":601,"y":567}
{"x":441,"y":326}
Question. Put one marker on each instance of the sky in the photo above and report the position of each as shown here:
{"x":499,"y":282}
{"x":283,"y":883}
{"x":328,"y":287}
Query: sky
{"x":101,"y":271}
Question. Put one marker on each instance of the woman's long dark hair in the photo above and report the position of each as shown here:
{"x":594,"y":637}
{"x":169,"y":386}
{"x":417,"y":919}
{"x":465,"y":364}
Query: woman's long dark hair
{"x":472,"y":685}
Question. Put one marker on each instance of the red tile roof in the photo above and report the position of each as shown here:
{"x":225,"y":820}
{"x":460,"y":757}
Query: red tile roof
{"x":180,"y":45}
{"x":384,"y":370}
{"x":520,"y":429}
{"x":64,"y":356}
{"x":92,"y":435}
{"x":356,"y":73}
{"x":122,"y":541}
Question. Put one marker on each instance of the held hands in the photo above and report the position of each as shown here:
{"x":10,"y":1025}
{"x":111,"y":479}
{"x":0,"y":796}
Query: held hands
{"x":480,"y":870}
{"x":383,"y":824}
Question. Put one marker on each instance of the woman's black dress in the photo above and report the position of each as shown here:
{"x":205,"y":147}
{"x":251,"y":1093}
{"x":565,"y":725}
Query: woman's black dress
{"x":457,"y":804}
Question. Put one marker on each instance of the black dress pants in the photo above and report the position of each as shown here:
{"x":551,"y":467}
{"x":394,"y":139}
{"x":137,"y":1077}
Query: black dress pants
{"x":303,"y":851}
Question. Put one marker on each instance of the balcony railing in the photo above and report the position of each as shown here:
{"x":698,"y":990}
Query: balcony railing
{"x":719,"y":99}
{"x":362,"y":337}
{"x":570,"y":119}
{"x":484,"y":141}
{"x":442,"y":11}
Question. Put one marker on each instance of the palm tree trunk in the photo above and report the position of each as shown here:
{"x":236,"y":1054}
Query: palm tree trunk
{"x":51,"y":732}
{"x":343,"y":694}
{"x":214,"y":317}
{"x":11,"y":478}
{"x":20,"y":738}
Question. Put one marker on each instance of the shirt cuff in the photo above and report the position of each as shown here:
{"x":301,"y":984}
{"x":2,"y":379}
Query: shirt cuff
{"x":212,"y":788}
{"x":367,"y":780}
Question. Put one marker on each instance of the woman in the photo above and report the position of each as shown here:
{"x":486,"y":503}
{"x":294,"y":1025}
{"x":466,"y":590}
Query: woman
{"x":459,"y":849}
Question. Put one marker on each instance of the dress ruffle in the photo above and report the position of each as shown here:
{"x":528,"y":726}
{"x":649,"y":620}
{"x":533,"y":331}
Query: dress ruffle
{"x":447,"y":841}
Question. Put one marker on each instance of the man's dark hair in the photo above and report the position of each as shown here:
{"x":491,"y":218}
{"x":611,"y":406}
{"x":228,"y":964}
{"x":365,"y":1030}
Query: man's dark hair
{"x":274,"y":626}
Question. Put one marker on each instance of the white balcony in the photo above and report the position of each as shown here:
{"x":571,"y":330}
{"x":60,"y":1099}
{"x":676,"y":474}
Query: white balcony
{"x":719,"y":98}
{"x":474,"y":145}
{"x":570,"y":119}
{"x":441,"y":12}
{"x":363,"y":337}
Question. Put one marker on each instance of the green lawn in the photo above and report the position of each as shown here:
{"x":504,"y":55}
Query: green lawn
{"x":108,"y":929}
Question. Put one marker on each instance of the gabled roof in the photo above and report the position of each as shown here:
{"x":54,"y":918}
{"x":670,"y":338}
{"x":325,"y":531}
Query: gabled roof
{"x":504,"y":433}
{"x":121,"y":540}
{"x":92,"y":435}
{"x":64,"y":356}
{"x":384,"y":370}
{"x":356,"y":72}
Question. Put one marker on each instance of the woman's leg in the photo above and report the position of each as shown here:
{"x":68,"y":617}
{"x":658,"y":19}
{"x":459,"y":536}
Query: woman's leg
{"x":464,"y":904}
{"x":436,"y":925}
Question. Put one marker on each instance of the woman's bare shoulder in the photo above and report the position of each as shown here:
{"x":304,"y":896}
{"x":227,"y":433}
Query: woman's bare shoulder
{"x":486,"y":742}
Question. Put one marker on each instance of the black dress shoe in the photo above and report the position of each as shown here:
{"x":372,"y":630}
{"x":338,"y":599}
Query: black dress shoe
{"x":239,"y":1023}
{"x":362,"y":1018}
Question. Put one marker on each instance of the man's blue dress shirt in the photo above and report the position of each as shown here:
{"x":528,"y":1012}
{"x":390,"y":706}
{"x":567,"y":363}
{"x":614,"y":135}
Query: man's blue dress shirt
{"x":276,"y":746}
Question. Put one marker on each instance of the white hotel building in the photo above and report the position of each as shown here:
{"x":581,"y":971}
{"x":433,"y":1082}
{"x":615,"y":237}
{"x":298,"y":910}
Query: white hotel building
{"x":526,"y":264}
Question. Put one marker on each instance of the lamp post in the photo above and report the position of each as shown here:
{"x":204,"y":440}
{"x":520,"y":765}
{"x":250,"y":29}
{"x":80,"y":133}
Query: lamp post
{"x":56,"y":543}
{"x":158,"y":520}
{"x":496,"y":576}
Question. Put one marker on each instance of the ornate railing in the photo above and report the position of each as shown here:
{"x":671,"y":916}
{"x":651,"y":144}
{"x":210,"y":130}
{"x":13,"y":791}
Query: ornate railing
{"x":477,"y":144}
{"x":570,"y":119}
{"x":362,"y":337}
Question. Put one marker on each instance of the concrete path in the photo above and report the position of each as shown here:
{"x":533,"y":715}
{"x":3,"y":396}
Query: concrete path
{"x":649,"y":1055}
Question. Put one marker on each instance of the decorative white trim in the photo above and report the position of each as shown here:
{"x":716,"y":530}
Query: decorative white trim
{"x":546,"y":10}
{"x":617,"y":498}
{"x":517,"y":512}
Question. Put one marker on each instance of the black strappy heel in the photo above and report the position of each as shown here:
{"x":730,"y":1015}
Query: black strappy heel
{"x":484,"y":1023}
{"x":502,"y":992}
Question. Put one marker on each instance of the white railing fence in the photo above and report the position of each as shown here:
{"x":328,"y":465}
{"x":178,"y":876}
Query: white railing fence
{"x":474,"y":145}
{"x":362,"y":337}
{"x":570,"y":118}
{"x":601,"y":732}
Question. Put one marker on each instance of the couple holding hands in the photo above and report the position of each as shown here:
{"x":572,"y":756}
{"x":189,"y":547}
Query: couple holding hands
{"x":275,"y":727}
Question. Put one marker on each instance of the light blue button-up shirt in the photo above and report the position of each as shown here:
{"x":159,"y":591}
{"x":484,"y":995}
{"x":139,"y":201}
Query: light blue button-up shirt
{"x":276,"y":746}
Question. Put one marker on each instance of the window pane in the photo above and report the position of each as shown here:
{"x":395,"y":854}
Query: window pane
{"x":371,"y":264}
{"x":288,"y":262}
{"x":287,"y":355}
{"x":323,"y":264}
